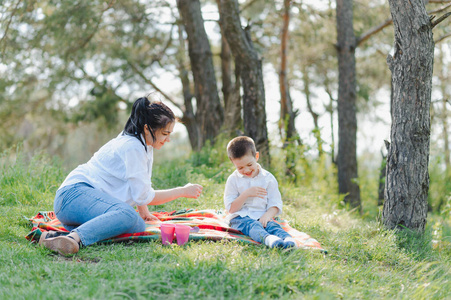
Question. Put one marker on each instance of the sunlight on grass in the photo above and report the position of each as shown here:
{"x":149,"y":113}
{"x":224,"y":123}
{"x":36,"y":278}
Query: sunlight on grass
{"x":365,"y":261}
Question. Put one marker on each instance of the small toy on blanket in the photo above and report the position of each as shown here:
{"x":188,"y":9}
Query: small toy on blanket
{"x":205,"y":225}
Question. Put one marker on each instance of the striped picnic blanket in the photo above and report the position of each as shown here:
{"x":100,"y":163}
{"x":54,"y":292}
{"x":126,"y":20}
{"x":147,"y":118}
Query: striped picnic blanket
{"x":206,"y":225}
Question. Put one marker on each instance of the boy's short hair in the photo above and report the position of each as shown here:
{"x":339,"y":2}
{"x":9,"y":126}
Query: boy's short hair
{"x":240,"y":146}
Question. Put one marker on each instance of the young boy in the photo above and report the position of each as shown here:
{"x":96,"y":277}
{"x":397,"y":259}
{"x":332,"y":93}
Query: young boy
{"x":252,"y":197}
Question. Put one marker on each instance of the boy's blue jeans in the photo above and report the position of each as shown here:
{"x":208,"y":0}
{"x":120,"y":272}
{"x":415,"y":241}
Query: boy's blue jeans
{"x":95,"y":215}
{"x":255,"y":229}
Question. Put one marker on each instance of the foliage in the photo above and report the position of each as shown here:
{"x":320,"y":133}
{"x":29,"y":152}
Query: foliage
{"x":439,"y":198}
{"x":212,"y":161}
{"x":26,"y":181}
{"x":76,"y":58}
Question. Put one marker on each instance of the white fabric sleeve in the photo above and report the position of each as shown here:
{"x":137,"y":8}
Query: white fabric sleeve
{"x":137,"y":175}
{"x":230,"y":192}
{"x":274,"y":196}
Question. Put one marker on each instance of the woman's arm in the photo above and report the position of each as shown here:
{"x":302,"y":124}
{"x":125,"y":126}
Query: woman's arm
{"x":188,"y":191}
{"x":145,"y":214}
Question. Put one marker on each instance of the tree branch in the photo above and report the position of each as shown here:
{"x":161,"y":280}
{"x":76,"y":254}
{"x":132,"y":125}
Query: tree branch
{"x":441,"y":19}
{"x":442,"y":38}
{"x":157,"y":57}
{"x":247,"y":5}
{"x":7,"y":26}
{"x":150,"y":82}
{"x":89,"y":37}
{"x":365,"y":36}
{"x":440,"y":9}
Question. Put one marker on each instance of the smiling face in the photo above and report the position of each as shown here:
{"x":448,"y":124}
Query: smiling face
{"x":162,"y":136}
{"x":247,"y":165}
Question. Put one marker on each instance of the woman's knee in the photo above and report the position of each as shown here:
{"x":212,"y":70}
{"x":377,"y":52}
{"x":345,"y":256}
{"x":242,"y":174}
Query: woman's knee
{"x":137,"y":224}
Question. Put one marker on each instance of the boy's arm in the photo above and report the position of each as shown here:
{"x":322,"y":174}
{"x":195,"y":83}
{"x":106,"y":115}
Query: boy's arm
{"x":269,"y":214}
{"x":254,"y":191}
{"x":274,"y":202}
{"x":274,"y":196}
{"x":233,"y":200}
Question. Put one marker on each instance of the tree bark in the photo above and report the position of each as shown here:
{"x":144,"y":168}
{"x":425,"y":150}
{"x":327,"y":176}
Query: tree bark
{"x":254,"y":114}
{"x":347,"y":120}
{"x":287,"y":114}
{"x":287,"y":127}
{"x":209,"y":113}
{"x":188,"y":119}
{"x":230,"y":88}
{"x":443,"y":116}
{"x":407,"y":181}
{"x":315,"y":116}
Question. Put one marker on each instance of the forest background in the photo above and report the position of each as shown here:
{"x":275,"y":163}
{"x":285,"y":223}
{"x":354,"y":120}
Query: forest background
{"x":70,"y":70}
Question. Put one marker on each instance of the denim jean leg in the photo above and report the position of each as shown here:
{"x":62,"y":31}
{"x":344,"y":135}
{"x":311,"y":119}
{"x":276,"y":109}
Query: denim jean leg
{"x":94,"y":214}
{"x":250,"y":227}
{"x":277,"y":230}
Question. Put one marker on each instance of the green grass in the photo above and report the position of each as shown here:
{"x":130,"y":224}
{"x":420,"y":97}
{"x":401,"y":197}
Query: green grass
{"x":365,"y":261}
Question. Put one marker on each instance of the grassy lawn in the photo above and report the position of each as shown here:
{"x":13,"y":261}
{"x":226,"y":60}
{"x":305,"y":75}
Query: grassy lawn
{"x":365,"y":261}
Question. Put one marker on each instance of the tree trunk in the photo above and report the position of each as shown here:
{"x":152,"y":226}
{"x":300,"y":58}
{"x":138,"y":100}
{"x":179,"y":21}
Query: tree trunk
{"x":443,"y":116}
{"x":209,"y":114}
{"x":347,"y":120}
{"x":230,"y":89}
{"x":188,"y":119}
{"x":287,"y":114}
{"x":315,"y":116}
{"x":407,"y":181}
{"x":254,"y":114}
{"x":330,"y":109}
{"x":287,"y":127}
{"x":382,"y":176}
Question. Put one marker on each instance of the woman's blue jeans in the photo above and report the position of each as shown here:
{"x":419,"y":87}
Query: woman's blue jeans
{"x":255,"y":229}
{"x":95,"y":215}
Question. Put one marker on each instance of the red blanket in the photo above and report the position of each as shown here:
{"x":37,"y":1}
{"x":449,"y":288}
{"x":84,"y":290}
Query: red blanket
{"x":206,"y":225}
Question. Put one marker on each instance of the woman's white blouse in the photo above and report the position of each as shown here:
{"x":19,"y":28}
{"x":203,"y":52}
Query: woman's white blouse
{"x":121,"y":168}
{"x":253,"y":207}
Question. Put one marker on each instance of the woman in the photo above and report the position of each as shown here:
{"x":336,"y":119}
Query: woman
{"x":96,"y":201}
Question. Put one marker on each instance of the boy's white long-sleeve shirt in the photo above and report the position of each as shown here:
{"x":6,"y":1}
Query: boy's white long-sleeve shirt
{"x":122,"y":168}
{"x":253,"y":207}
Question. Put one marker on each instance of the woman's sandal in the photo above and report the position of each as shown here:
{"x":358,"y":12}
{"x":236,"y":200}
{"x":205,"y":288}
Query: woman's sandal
{"x":63,"y":244}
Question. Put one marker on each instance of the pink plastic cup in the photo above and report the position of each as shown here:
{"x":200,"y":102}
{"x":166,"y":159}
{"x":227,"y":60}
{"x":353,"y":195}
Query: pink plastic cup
{"x":182,"y":234}
{"x":167,"y":233}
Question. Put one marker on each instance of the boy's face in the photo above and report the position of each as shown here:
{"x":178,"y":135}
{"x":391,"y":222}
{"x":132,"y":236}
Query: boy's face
{"x":247,"y":165}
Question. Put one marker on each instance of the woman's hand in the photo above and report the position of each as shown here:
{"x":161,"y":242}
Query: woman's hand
{"x":192,"y":190}
{"x":143,"y":211}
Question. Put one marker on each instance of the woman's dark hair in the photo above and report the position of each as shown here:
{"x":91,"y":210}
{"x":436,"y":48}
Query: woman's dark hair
{"x":155,"y":115}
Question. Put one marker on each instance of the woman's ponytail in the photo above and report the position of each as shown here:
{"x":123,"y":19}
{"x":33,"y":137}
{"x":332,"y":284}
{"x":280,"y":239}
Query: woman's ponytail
{"x":155,"y":115}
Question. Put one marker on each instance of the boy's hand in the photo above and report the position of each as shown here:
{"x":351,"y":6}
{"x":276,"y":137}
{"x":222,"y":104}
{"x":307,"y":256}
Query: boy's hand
{"x":192,"y":190}
{"x":265,"y":219}
{"x":256,"y":191}
{"x":268,"y":216}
